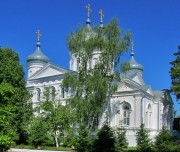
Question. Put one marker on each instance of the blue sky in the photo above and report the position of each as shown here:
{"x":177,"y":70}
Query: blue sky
{"x":154,"y":24}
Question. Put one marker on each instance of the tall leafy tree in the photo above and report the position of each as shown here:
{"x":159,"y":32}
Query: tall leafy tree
{"x":90,"y":86}
{"x":58,"y":117}
{"x":14,"y":108}
{"x":175,"y":74}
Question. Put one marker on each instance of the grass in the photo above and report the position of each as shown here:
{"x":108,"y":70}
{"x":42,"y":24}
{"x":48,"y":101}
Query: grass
{"x":42,"y":148}
{"x":129,"y":149}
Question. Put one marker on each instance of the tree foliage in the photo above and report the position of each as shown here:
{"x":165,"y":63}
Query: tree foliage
{"x":58,"y":117}
{"x":143,"y":140}
{"x":84,"y":142}
{"x":39,"y":133}
{"x":166,"y":142}
{"x":105,"y":141}
{"x":6,"y":132}
{"x":121,"y":141}
{"x":90,"y":85}
{"x":175,"y":74}
{"x":14,"y":109}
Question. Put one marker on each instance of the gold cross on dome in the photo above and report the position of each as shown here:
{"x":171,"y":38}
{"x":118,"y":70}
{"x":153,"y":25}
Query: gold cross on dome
{"x":88,"y":9}
{"x":132,"y":44}
{"x":101,"y":15}
{"x":38,"y":34}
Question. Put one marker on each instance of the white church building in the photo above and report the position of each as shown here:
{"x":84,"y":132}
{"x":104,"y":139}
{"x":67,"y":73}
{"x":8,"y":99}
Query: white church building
{"x":133,"y":103}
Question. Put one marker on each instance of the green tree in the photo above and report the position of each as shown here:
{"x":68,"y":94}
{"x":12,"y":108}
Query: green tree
{"x":39,"y":133}
{"x":84,"y":141}
{"x":143,"y":140}
{"x":166,"y":142}
{"x":14,"y":108}
{"x":90,"y":86}
{"x":121,"y":141}
{"x":105,"y":141}
{"x":175,"y":74}
{"x":59,"y":117}
{"x":6,"y":132}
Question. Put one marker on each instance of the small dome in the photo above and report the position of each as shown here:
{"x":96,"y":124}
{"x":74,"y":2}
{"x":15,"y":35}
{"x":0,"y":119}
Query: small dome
{"x":135,"y":65}
{"x":37,"y":56}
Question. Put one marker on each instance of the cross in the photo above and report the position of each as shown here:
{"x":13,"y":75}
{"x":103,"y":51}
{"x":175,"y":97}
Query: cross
{"x":132,"y":45}
{"x":101,"y":14}
{"x":38,"y":34}
{"x":88,"y":9}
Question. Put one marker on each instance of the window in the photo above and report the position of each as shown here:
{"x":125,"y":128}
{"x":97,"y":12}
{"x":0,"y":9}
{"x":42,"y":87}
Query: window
{"x":38,"y":110}
{"x":148,"y":116}
{"x":46,"y":93}
{"x":62,"y":92}
{"x":38,"y":94}
{"x":78,"y":62}
{"x":90,"y":63}
{"x":126,"y":115}
{"x":72,"y":64}
{"x":52,"y":93}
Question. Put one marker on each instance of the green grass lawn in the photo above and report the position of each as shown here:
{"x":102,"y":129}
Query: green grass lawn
{"x":129,"y":149}
{"x":42,"y":148}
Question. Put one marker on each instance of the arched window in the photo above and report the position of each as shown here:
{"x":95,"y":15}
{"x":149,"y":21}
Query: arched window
{"x":46,"y":93}
{"x":62,"y":91}
{"x":78,"y":62}
{"x":126,"y":115}
{"x":72,"y":64}
{"x":52,"y":92}
{"x":148,"y":116}
{"x":90,"y":63}
{"x":38,"y":110}
{"x":38,"y":94}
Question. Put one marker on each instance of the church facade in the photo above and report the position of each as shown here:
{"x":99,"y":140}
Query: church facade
{"x":132,"y":104}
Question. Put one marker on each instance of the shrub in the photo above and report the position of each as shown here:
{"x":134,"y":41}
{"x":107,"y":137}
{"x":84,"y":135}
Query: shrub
{"x":121,"y":141}
{"x":39,"y":133}
{"x":83,"y":140}
{"x":143,"y":141}
{"x":166,"y":142}
{"x":5,"y":142}
{"x":105,"y":141}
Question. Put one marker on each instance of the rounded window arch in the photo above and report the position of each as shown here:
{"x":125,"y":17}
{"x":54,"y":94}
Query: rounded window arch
{"x":52,"y":92}
{"x":126,"y":113}
{"x":149,"y":107}
{"x":148,"y":115}
{"x":38,"y":94}
{"x":62,"y":94}
{"x":77,"y":63}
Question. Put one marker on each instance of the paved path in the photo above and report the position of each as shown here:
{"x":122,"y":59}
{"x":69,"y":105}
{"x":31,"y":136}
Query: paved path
{"x":29,"y":150}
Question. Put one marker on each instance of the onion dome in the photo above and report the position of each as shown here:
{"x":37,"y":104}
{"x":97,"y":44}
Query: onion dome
{"x":133,"y":64}
{"x":37,"y":55}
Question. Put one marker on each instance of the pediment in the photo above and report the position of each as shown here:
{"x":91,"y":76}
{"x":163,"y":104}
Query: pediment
{"x":49,"y":70}
{"x":130,"y":86}
{"x":123,"y":87}
{"x":150,"y":91}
